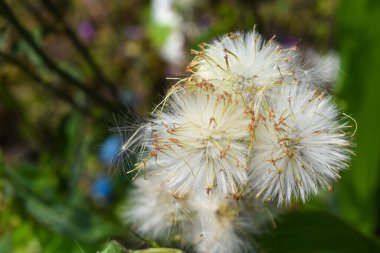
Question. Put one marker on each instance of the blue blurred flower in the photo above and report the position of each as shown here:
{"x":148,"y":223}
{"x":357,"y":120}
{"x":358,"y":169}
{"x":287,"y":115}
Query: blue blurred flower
{"x":109,"y":149}
{"x":102,"y":188}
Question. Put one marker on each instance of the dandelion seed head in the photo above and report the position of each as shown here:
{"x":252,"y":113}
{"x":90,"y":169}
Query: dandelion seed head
{"x":217,"y":227}
{"x":321,"y":70}
{"x":155,"y":211}
{"x":200,"y":145}
{"x":244,"y":63}
{"x":299,"y":147}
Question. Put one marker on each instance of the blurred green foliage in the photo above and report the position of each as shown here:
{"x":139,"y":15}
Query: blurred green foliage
{"x":70,"y":70}
{"x":315,"y":231}
{"x":359,"y":189}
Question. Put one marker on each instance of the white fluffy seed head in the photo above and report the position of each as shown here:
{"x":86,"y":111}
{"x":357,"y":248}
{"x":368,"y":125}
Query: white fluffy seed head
{"x":321,"y":70}
{"x":156,"y":212}
{"x":299,"y":146}
{"x":249,"y":120}
{"x":217,"y":227}
{"x":244,"y":64}
{"x":199,"y":144}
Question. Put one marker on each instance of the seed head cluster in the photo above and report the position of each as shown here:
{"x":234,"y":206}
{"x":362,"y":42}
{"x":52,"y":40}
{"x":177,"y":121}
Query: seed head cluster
{"x":251,"y":127}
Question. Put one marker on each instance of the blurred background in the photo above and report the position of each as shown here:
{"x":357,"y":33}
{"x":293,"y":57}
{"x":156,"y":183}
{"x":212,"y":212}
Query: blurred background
{"x":74,"y":73}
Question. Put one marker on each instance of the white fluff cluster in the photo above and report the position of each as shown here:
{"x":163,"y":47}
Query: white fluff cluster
{"x":200,"y":150}
{"x":244,"y":64}
{"x":206,"y":223}
{"x":250,"y":125}
{"x":217,"y":227}
{"x":157,"y":211}
{"x":299,"y":146}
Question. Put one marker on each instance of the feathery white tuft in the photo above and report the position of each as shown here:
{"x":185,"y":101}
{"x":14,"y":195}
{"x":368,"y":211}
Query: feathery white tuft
{"x":246,"y":65}
{"x":199,"y":144}
{"x":218,"y":227}
{"x":321,"y":70}
{"x":155,"y":211}
{"x":299,"y":146}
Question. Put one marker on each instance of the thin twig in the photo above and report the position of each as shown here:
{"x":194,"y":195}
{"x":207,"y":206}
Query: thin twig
{"x":35,"y":13}
{"x":7,"y":13}
{"x":81,"y":48}
{"x":42,"y":83}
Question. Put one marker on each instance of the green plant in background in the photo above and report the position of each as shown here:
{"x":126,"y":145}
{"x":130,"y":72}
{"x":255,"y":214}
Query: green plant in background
{"x":72,"y":64}
{"x":359,"y":192}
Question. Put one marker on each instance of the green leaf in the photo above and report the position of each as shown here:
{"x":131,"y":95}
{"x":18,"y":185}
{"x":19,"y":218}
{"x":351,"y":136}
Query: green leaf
{"x":315,"y":232}
{"x":6,"y":243}
{"x":69,"y":222}
{"x":64,"y":219}
{"x":158,"y":33}
{"x":359,"y":47}
{"x":31,"y":55}
{"x":157,"y":250}
{"x":115,"y":247}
